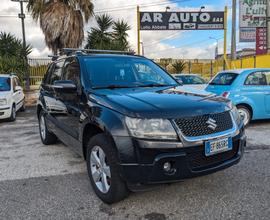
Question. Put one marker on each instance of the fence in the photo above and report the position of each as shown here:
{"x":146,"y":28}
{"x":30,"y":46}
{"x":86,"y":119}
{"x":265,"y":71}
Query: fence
{"x":37,"y":69}
{"x":206,"y":68}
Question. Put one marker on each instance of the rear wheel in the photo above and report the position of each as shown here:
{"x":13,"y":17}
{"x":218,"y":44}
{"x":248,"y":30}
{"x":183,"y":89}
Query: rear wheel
{"x":23,"y":107}
{"x":245,"y":113}
{"x":46,"y":136}
{"x":103,"y":170}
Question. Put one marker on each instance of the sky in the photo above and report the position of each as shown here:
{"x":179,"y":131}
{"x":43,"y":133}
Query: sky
{"x":157,"y":44}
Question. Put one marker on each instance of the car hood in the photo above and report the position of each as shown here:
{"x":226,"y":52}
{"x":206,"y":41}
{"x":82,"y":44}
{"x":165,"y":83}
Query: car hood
{"x":4,"y":94}
{"x":169,"y":103}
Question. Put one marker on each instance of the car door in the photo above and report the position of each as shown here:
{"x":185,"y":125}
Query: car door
{"x":254,"y":90}
{"x":267,"y":93}
{"x":16,"y":93}
{"x":20,"y":92}
{"x":71,"y":101}
{"x":53,"y":106}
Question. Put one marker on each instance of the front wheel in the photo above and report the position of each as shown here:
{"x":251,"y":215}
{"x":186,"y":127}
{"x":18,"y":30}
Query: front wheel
{"x":245,"y":113}
{"x":13,"y":113}
{"x":103,"y":170}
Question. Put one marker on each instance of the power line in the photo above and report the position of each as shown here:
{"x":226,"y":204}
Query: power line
{"x":122,"y":8}
{"x":185,"y":45}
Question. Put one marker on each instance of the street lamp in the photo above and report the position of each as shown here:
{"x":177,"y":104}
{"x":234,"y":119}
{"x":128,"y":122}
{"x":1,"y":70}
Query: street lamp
{"x":202,"y":8}
{"x":168,"y":8}
{"x":22,"y":17}
{"x":216,"y":52}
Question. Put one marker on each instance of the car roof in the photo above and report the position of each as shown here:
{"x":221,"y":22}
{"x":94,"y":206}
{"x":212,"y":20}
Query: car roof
{"x":247,"y":70}
{"x":187,"y":74}
{"x":5,"y":75}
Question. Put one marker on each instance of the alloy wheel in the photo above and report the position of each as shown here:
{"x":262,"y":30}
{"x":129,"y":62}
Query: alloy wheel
{"x":100,"y":170}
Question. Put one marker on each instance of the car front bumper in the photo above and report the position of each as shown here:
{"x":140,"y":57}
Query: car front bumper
{"x":5,"y":112}
{"x":186,"y":162}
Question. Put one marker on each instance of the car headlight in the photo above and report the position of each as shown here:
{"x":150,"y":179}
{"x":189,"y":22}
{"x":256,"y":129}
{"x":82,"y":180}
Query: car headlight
{"x":151,"y":128}
{"x":236,"y":116}
{"x":3,"y":102}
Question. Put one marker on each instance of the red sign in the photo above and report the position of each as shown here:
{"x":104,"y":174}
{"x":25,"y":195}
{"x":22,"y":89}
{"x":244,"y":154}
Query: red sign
{"x":261,"y":41}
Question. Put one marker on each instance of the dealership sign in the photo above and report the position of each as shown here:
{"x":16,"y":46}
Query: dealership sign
{"x":261,"y":41}
{"x":181,"y":20}
{"x":252,"y":13}
{"x":247,"y":35}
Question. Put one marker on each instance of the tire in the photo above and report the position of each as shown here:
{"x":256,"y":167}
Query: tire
{"x":13,"y":113}
{"x":114,"y":189}
{"x":46,"y":136}
{"x":245,"y":113}
{"x":23,"y":107}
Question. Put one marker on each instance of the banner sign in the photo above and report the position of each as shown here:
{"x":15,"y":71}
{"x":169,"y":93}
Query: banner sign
{"x":252,"y":13}
{"x":181,"y":20}
{"x":261,"y":41}
{"x":247,"y":35}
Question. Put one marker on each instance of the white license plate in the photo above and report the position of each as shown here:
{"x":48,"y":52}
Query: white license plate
{"x":218,"y":146}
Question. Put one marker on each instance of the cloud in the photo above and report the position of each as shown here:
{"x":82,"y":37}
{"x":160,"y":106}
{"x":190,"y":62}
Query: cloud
{"x":156,"y":43}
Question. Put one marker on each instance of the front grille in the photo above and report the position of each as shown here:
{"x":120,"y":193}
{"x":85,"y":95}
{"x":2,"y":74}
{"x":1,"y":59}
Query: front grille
{"x":199,"y":161}
{"x":197,"y":126}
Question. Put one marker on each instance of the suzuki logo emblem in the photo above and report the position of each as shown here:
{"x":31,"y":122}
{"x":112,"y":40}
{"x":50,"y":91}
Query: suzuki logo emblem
{"x":212,"y":124}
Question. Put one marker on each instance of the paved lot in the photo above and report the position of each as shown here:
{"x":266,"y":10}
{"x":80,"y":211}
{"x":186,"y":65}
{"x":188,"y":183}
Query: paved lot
{"x":50,"y":182}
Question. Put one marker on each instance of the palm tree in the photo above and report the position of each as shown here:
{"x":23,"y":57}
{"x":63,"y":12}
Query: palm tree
{"x":12,"y":55}
{"x":120,"y":35}
{"x":100,"y":37}
{"x":61,"y":21}
{"x":179,"y":66}
{"x":109,"y":35}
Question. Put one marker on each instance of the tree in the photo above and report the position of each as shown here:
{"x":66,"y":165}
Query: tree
{"x":120,"y":35}
{"x":108,"y":35}
{"x":12,"y":55}
{"x":62,"y":21}
{"x":179,"y":66}
{"x":100,"y":37}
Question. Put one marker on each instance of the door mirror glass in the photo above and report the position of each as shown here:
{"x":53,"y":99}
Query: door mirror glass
{"x":65,"y":86}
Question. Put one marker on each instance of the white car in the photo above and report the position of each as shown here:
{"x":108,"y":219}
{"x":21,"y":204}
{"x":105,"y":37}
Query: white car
{"x":191,"y":80}
{"x":12,"y":98}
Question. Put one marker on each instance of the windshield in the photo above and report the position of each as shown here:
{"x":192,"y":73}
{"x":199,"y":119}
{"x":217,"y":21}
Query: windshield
{"x":124,"y":72}
{"x":224,"y":79}
{"x":4,"y":84}
{"x":189,"y":80}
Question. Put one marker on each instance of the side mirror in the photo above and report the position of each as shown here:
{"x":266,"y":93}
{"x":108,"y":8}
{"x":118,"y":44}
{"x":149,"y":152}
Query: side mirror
{"x":17,"y":88}
{"x":65,"y":86}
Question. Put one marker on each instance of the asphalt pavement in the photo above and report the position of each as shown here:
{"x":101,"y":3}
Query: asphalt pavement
{"x":50,"y":182}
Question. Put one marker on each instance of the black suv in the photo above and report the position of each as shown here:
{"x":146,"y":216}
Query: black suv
{"x":133,"y":123}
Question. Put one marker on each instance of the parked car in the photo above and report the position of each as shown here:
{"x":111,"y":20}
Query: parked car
{"x":12,"y":98}
{"x":249,"y":90}
{"x":135,"y":131}
{"x":191,"y":80}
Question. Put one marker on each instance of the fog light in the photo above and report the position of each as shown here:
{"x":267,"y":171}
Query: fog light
{"x":167,"y":167}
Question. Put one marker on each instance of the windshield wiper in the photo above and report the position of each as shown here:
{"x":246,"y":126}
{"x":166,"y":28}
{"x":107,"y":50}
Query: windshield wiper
{"x":155,"y":85}
{"x":112,"y":87}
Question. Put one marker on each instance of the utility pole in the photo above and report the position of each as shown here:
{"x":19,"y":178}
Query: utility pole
{"x":233,"y":43}
{"x":268,"y":26}
{"x":22,"y":17}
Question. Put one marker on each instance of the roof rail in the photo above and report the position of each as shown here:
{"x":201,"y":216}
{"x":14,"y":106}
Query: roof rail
{"x":53,"y":57}
{"x":69,"y":51}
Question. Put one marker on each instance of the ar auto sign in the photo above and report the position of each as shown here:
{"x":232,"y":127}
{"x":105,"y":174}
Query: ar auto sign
{"x":252,"y":13}
{"x":182,"y":20}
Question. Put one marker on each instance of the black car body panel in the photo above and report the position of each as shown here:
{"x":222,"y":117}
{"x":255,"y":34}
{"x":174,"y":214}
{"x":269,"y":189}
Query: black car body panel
{"x":69,"y":115}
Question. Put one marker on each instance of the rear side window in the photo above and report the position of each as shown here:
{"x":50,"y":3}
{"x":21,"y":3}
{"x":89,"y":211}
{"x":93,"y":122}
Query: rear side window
{"x":258,"y":79}
{"x":56,"y":72}
{"x":224,"y":79}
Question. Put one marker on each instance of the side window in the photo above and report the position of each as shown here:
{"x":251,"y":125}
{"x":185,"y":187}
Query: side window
{"x":256,"y":79}
{"x":71,"y":71}
{"x":14,"y":83}
{"x":56,"y":72}
{"x":267,"y":74}
{"x":48,"y":74}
